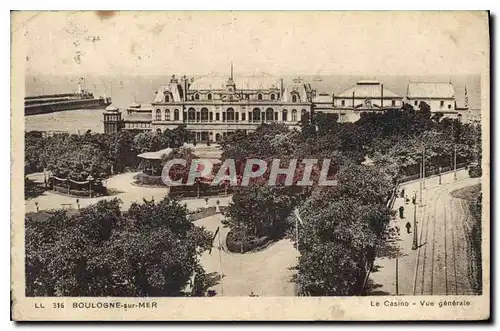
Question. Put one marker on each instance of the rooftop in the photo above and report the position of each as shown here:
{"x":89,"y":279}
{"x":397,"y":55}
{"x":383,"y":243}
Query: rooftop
{"x":138,"y":116}
{"x":216,"y":81}
{"x":367,"y":89}
{"x":430,"y":90}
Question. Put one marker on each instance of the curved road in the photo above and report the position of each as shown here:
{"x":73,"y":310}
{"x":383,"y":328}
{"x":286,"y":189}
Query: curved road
{"x":441,"y":262}
{"x":439,"y":265}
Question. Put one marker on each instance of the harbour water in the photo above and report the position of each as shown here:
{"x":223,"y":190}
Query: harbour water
{"x":72,"y":121}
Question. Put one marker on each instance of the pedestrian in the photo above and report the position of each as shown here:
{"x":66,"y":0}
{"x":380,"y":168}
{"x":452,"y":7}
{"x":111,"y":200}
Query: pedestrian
{"x":401,"y":212}
{"x":402,"y":193}
{"x":413,"y":200}
{"x":408,"y":227}
{"x":406,"y":200}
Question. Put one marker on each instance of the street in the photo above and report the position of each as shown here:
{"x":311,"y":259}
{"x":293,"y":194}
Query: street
{"x":439,"y":264}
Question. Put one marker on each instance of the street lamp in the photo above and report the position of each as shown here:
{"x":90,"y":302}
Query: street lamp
{"x":90,"y":179}
{"x":415,"y":243}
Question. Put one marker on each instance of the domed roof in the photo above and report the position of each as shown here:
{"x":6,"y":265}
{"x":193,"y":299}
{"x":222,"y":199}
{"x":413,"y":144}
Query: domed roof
{"x":134,"y":105}
{"x":111,"y":108}
{"x":250,"y":81}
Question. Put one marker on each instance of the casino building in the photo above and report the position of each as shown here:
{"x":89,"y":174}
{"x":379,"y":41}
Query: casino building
{"x":215,"y":106}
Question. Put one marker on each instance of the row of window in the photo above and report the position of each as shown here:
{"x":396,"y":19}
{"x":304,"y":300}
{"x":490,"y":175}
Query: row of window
{"x":142,"y":125}
{"x":229,"y":115}
{"x":167,"y":115}
{"x":393,"y":103}
{"x":441,"y":104}
{"x":260,"y":96}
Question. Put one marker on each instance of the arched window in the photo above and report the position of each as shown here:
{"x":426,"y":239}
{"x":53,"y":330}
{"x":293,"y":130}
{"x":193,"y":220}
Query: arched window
{"x":191,"y":115}
{"x":209,"y":96}
{"x":230,"y":114}
{"x":294,"y":98}
{"x":158,"y":114}
{"x":167,"y":97}
{"x":158,"y":130}
{"x":167,"y":114}
{"x":273,"y":97}
{"x":294,"y":115}
{"x":259,"y":96}
{"x":204,"y":114}
{"x":269,"y":114}
{"x":284,"y":115}
{"x":256,"y":115}
{"x":176,"y":115}
{"x":197,"y":96}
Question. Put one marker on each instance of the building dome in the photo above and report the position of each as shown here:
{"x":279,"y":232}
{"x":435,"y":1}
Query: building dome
{"x":134,"y":105}
{"x":111,"y":108}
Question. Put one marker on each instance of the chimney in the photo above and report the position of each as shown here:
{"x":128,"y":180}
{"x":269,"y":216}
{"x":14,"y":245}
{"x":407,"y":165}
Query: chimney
{"x":333,"y":99}
{"x":381,"y":95}
{"x":281,"y":88}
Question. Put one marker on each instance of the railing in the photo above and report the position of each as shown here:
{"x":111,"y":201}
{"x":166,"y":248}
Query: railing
{"x":432,"y":172}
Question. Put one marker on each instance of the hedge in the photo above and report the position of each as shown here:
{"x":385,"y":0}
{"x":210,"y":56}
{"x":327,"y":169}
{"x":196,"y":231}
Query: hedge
{"x":249,"y":243}
{"x":145,"y":179}
{"x":202,"y":213}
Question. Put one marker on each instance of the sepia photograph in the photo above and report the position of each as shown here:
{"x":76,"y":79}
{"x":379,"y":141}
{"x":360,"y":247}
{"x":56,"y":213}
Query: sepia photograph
{"x":220,"y":165}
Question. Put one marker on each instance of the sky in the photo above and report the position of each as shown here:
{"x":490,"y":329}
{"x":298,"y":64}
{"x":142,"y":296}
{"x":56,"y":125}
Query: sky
{"x":278,"y":43}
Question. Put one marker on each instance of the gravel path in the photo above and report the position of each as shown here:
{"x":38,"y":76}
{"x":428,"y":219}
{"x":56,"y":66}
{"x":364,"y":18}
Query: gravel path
{"x":265,"y":273}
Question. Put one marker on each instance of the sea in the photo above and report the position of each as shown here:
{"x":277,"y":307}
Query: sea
{"x":125,"y":89}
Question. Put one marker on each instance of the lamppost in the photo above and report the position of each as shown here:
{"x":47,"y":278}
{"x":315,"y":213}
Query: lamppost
{"x":90,"y":179}
{"x":311,"y":93}
{"x":439,"y":175}
{"x":415,"y":243}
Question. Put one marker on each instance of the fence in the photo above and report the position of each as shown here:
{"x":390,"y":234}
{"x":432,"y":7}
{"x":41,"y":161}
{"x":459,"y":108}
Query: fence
{"x":432,"y":172}
{"x":76,"y":188}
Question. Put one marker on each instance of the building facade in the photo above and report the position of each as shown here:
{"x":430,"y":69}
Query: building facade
{"x":215,"y":106}
{"x":439,"y":96}
{"x":364,"y":97}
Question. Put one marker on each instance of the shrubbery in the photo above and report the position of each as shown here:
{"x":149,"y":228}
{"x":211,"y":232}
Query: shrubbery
{"x":237,"y":243}
{"x":148,"y":180}
{"x":152,"y":250}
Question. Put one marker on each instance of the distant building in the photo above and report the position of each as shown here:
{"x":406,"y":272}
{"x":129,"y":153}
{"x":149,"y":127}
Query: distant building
{"x":112,"y":119}
{"x":439,"y":96}
{"x":364,"y":97}
{"x":138,"y":117}
{"x":215,"y":106}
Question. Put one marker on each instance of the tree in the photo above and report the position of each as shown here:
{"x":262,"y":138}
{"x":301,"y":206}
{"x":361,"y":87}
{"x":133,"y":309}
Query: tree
{"x":337,"y":244}
{"x":151,"y":251}
{"x":262,"y":209}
